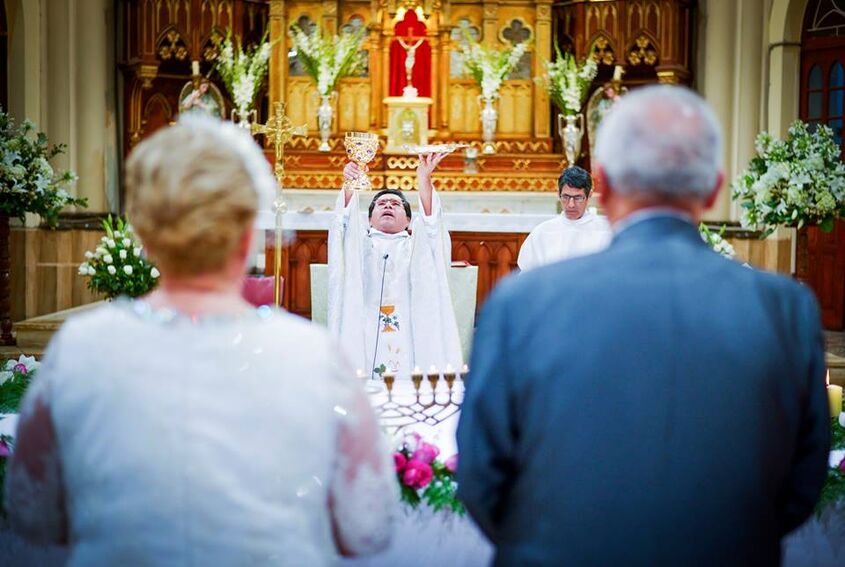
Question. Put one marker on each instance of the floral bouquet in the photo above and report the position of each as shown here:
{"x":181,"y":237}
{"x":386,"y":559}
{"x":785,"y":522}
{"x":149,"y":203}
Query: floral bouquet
{"x":489,"y":66}
{"x":327,"y":59}
{"x":717,"y":241}
{"x":422,"y":477}
{"x":15,"y":377}
{"x":793,"y":182}
{"x":834,"y":487}
{"x":567,"y":82}
{"x":28,"y":184}
{"x":118,"y":266}
{"x":242,"y":70}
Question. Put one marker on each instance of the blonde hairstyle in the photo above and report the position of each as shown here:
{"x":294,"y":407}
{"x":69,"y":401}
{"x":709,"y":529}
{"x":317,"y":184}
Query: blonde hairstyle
{"x":194,"y":190}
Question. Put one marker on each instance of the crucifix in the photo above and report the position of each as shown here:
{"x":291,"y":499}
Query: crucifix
{"x":278,"y":130}
{"x":410,"y":56}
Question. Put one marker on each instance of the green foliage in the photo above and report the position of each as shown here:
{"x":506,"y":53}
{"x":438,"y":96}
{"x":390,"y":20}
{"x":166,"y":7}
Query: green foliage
{"x":834,"y":487}
{"x":28,"y":183}
{"x":118,"y":265}
{"x":242,"y":69}
{"x":326,"y":58}
{"x":793,"y":182}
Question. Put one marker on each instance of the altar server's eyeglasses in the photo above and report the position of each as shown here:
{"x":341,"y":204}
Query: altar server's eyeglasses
{"x":392,"y":203}
{"x":577,"y":198}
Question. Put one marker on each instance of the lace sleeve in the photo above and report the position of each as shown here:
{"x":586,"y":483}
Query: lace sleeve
{"x":363,"y":492}
{"x":34,"y":494}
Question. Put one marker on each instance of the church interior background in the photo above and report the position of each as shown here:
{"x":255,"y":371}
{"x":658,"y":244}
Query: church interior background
{"x":101,"y":75}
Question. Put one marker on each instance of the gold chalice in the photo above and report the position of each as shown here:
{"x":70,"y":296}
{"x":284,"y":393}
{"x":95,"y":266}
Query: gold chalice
{"x":361,"y":148}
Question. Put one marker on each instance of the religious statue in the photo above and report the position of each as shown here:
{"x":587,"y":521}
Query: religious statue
{"x":600,"y":103}
{"x":410,"y":55}
{"x":202,"y":97}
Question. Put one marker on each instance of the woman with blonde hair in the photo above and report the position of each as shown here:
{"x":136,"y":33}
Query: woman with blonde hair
{"x":187,"y":427}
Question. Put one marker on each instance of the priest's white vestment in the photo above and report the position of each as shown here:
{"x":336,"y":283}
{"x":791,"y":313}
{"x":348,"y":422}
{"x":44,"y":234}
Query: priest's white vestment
{"x":560,"y":238}
{"x":389,"y":303}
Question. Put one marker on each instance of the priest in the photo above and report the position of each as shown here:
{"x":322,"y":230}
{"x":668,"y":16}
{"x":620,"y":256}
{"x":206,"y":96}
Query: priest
{"x":389,"y":303}
{"x":577,"y":231}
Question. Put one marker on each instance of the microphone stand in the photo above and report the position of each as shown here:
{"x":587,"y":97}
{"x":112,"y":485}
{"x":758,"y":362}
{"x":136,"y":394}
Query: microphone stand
{"x":378,"y":317}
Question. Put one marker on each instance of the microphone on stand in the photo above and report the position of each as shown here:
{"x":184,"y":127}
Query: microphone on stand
{"x":378,"y":316}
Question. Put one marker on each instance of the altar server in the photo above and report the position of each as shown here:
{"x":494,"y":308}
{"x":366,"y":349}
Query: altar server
{"x":577,"y":231}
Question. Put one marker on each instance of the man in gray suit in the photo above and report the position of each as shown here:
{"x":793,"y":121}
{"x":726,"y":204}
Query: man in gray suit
{"x":654,"y":403}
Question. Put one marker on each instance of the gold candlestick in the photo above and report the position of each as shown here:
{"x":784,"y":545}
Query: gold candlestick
{"x":449,"y":376}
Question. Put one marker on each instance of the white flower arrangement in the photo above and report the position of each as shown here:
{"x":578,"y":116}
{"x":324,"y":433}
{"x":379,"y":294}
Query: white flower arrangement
{"x":117,"y":266}
{"x":717,"y":241}
{"x":567,"y":82}
{"x":793,"y":182}
{"x":28,"y":184}
{"x":24,"y":365}
{"x":242,"y":70}
{"x":327,"y":59}
{"x":489,"y":66}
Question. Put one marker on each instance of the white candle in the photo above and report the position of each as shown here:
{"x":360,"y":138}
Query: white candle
{"x":195,"y":67}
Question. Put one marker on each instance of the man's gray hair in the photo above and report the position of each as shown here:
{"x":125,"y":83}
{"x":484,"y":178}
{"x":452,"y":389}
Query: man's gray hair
{"x":661,"y":140}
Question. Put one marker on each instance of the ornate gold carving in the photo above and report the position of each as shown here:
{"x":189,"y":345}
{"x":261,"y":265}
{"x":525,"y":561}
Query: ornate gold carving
{"x":402,"y":162}
{"x":668,"y":77}
{"x":643,"y":51}
{"x":602,"y":50}
{"x":212,"y":45}
{"x":172,"y":45}
{"x":521,"y":164}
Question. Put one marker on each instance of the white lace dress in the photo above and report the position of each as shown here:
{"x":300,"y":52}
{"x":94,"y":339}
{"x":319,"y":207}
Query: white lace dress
{"x":149,"y":438}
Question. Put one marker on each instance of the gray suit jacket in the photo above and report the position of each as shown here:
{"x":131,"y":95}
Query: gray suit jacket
{"x":652,"y":404}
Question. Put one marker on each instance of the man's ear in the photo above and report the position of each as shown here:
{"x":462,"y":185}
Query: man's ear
{"x":601,"y":185}
{"x":711,"y":198}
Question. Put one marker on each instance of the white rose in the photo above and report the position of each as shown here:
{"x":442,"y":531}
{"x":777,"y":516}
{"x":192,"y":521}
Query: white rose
{"x":155,"y":273}
{"x":111,"y":243}
{"x":127,"y":269}
{"x":112,"y":270}
{"x":89,"y":254}
{"x":108,"y":259}
{"x":5,"y":375}
{"x":91,"y":271}
{"x":118,"y":234}
{"x":127,"y":242}
{"x":122,"y":254}
{"x":842,"y":419}
{"x":137,"y":251}
{"x":83,"y":269}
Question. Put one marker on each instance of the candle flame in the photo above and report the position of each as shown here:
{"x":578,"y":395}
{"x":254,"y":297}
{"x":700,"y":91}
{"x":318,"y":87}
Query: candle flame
{"x":433,"y":370}
{"x":417,"y":370}
{"x":449,"y":369}
{"x":464,"y":369}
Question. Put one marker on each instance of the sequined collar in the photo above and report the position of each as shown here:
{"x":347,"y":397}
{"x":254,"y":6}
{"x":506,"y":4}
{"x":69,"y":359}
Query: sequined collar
{"x":142,"y":309}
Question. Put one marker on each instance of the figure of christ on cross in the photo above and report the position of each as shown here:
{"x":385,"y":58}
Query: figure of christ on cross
{"x":410,"y":45}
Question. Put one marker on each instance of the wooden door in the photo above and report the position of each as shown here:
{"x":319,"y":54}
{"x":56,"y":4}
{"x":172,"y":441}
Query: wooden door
{"x":823,"y":102}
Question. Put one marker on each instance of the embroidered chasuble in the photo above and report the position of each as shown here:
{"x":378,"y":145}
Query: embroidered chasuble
{"x":560,"y":238}
{"x":389,"y":303}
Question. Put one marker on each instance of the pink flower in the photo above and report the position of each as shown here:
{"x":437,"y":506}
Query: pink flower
{"x":426,"y":453}
{"x":417,"y":474}
{"x":20,"y":369}
{"x":842,"y":466}
{"x":4,"y":449}
{"x":412,"y":441}
{"x":451,"y":464}
{"x":399,"y":461}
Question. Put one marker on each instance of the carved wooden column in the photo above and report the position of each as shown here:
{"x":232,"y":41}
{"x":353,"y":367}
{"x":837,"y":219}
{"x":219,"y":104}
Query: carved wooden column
{"x":376,"y":71}
{"x":542,"y":53}
{"x":435,"y":78}
{"x":491,"y":14}
{"x":279,"y":53}
{"x":330,"y":16}
{"x":442,"y":122}
{"x":674,"y":42}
